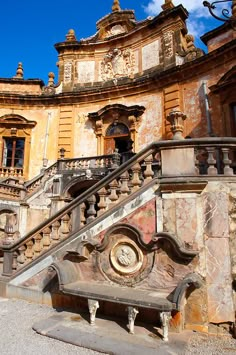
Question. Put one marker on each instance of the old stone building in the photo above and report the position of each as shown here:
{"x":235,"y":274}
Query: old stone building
{"x":122,"y":174}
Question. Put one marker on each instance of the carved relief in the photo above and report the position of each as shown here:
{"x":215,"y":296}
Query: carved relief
{"x":189,"y":52}
{"x":117,"y":63}
{"x":67,"y":72}
{"x":124,"y":262}
{"x":126,"y":257}
{"x":168,"y":44}
{"x":115,"y":30}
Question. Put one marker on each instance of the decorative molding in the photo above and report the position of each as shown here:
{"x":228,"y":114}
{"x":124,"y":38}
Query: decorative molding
{"x":180,"y":249}
{"x":168,"y":44}
{"x":67,"y":72}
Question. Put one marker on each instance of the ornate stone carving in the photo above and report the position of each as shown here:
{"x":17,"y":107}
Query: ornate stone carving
{"x":176,"y":119}
{"x":115,"y":30}
{"x":67,"y":72}
{"x":117,"y":63}
{"x":190,"y":52}
{"x":168,"y":44}
{"x":126,"y":257}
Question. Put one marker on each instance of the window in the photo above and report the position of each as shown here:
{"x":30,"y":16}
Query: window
{"x":13,"y":152}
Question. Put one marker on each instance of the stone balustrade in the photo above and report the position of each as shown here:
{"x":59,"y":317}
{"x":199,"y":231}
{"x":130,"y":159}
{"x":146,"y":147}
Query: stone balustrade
{"x":36,"y":183}
{"x":196,"y":158}
{"x":6,"y":172}
{"x":84,"y":163}
{"x":11,"y":192}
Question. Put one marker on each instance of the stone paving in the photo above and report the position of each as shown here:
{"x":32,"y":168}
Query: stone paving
{"x":17,"y":318}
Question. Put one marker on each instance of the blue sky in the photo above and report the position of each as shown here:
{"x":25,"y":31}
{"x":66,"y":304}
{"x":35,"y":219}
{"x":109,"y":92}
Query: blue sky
{"x":30,"y":28}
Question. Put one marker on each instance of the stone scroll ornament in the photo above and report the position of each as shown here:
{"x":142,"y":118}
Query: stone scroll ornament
{"x":168,"y":44}
{"x":117,"y":63}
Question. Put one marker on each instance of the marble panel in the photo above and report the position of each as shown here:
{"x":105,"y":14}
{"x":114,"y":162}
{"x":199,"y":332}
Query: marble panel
{"x":219,"y":282}
{"x":150,"y":55}
{"x":86,"y":71}
{"x":218,"y":261}
{"x":169,"y":215}
{"x":216,"y":220}
{"x":220,"y":304}
{"x":186,"y":219}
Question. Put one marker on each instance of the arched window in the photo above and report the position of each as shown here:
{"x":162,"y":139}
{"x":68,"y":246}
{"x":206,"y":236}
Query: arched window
{"x":117,"y":129}
{"x":117,"y":137}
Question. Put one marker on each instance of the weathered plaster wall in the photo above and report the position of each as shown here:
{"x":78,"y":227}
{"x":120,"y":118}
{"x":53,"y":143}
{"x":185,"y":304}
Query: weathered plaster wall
{"x":38,"y":135}
{"x":194,"y":105}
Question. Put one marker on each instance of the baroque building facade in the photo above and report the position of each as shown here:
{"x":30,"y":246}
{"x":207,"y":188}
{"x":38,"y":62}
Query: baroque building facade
{"x":137,"y":133}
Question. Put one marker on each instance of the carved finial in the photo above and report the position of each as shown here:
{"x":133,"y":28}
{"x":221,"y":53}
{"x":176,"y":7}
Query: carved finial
{"x":176,"y":119}
{"x":116,"y":5}
{"x":233,"y":8}
{"x":167,"y":5}
{"x":19,"y":71}
{"x":51,"y":77}
{"x":71,"y":36}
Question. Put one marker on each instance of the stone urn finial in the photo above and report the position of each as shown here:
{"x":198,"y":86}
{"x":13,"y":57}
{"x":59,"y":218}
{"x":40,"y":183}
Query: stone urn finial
{"x":176,"y":119}
{"x":167,"y":5}
{"x":116,"y":5}
{"x":70,"y":37}
{"x":9,"y":229}
{"x":19,"y":71}
{"x":51,"y":77}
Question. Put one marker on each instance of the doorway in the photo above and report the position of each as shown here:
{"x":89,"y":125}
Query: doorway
{"x":117,"y":137}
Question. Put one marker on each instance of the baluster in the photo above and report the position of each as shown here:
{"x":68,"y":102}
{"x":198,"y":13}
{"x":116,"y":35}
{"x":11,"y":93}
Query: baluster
{"x":227,"y":169}
{"x":91,"y":211}
{"x":29,"y":251}
{"x":124,"y":188}
{"x":82,"y":215}
{"x":46,"y":238}
{"x":136,"y":182}
{"x":14,"y":262}
{"x":55,"y":237}
{"x":102,"y":201}
{"x":148,"y":173}
{"x":196,"y":162}
{"x":21,"y":257}
{"x":64,"y":229}
{"x":37,"y":245}
{"x":113,"y":194}
{"x":211,"y":161}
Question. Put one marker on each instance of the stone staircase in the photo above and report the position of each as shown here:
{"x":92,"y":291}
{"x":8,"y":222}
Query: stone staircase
{"x":121,"y":192}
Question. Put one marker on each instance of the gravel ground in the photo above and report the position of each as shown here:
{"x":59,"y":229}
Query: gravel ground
{"x":211,"y":345}
{"x":18,"y":338}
